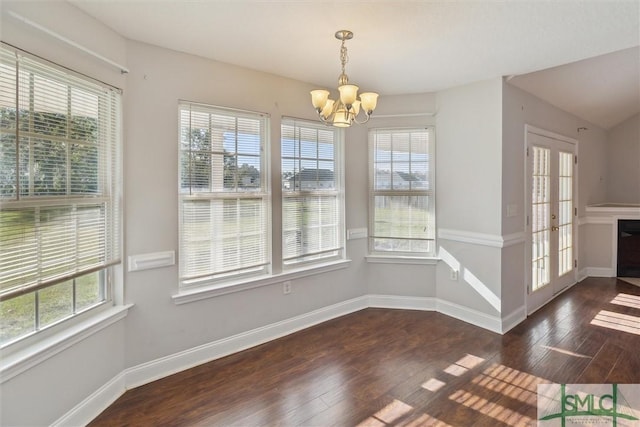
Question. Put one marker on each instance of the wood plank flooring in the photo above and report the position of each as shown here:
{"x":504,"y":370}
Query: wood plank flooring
{"x":380,"y":367}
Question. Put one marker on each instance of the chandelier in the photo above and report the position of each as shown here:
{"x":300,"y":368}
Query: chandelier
{"x":344,"y":111}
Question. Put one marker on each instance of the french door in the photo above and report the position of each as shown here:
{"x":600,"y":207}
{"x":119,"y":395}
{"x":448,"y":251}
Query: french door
{"x":551,"y":216}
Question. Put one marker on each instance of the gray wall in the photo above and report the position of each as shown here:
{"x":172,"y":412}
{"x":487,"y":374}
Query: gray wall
{"x":520,"y":108}
{"x":468,"y":178}
{"x":417,"y":110}
{"x":156,"y":327}
{"x":479,"y":164}
{"x":47,"y":390}
{"x":623,"y":162}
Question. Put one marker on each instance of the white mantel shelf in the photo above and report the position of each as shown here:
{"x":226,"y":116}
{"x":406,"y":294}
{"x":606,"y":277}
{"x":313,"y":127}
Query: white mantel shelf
{"x":615,"y":210}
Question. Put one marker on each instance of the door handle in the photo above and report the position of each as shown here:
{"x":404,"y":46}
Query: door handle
{"x":554,"y":228}
{"x":553,"y":216}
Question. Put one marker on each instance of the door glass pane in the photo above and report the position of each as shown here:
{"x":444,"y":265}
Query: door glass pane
{"x":540,"y":209}
{"x":565,"y":217}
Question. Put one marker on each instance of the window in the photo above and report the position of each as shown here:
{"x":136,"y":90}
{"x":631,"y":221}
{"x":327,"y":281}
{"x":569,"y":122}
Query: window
{"x":224,"y":197}
{"x":312,"y":193}
{"x":59,"y":200}
{"x":402,"y":202}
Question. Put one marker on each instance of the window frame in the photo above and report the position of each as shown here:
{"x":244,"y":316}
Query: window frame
{"x":222,"y":278}
{"x":107,"y":194}
{"x":338,"y":251}
{"x":430,"y":193}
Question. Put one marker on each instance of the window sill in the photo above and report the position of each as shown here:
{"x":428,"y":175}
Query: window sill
{"x":204,"y":292}
{"x":382,"y":259}
{"x":24,"y":359}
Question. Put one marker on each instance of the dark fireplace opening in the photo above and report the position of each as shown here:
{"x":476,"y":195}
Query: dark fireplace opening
{"x":629,"y":248}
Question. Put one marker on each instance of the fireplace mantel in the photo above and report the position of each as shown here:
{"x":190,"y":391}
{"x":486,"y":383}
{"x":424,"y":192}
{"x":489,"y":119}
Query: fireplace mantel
{"x":605,"y":215}
{"x":618,"y":210}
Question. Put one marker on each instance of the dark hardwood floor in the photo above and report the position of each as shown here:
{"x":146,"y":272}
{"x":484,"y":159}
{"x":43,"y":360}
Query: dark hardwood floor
{"x":380,"y":367}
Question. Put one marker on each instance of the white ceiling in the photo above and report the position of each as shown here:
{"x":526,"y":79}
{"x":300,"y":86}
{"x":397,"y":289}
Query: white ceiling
{"x":404,"y":47}
{"x":604,"y":90}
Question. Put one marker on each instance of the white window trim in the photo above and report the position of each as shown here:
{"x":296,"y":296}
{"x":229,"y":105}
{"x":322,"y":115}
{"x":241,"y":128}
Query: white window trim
{"x":24,"y":352}
{"x":339,"y":176}
{"x":24,"y":359}
{"x":215,"y":279}
{"x":403,"y":257}
{"x":215,"y":290}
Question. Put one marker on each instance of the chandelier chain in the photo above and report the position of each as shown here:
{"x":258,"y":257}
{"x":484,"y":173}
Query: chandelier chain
{"x":344,"y":57}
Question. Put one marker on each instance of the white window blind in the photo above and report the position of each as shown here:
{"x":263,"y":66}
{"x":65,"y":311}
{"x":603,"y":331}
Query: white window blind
{"x":312,"y":193}
{"x":402,"y":202}
{"x":224,"y":198}
{"x":59,"y":175}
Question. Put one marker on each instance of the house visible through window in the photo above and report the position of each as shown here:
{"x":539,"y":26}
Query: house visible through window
{"x":402,"y":202}
{"x":312,"y":193}
{"x":224,"y":197}
{"x":59,"y":200}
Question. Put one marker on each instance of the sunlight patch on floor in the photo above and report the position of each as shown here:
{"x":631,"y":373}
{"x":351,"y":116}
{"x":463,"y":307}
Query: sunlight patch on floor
{"x":423,"y":420}
{"x":456,"y":370}
{"x":470,"y":361}
{"x":463,"y":365}
{"x":490,"y":409}
{"x":514,"y":376}
{"x":618,"y":321}
{"x":510,"y":382}
{"x":507,"y":389}
{"x":567,"y":352}
{"x":627,"y":300}
{"x":433,"y":385}
{"x":387,"y":415}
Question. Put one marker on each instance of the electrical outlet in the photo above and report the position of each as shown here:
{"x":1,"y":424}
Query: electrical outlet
{"x":453,"y":274}
{"x":286,"y":287}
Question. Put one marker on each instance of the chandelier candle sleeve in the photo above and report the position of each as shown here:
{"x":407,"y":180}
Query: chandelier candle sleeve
{"x":344,"y":111}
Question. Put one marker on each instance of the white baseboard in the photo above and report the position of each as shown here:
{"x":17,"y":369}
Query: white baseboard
{"x":94,"y":404}
{"x":160,"y":368}
{"x":599,"y":272}
{"x":400,"y":302}
{"x":144,"y":373}
{"x":582,"y":274}
{"x":469,"y":315}
{"x":511,"y":320}
{"x":466,"y":314}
